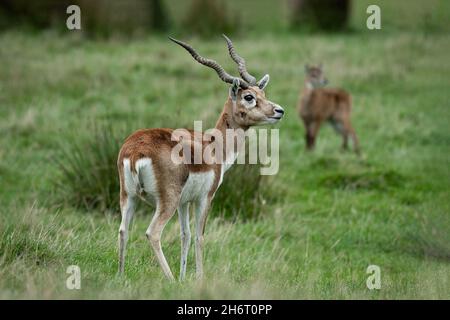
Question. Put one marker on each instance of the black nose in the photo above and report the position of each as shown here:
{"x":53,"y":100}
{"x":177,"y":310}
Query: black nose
{"x":279,"y":110}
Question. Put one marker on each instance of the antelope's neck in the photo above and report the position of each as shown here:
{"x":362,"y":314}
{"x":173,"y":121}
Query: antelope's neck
{"x":308,"y":87}
{"x":233,"y":134}
{"x":306,"y":92}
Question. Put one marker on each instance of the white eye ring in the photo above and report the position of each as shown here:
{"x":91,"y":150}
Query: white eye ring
{"x":249,"y":104}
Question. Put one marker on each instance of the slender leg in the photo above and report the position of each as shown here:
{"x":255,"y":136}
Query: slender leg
{"x":307,"y":134}
{"x":183,"y":215}
{"x":342,"y":129}
{"x":311,"y":132}
{"x":355,"y":141}
{"x":162,"y":216}
{"x":201,"y":213}
{"x":127,"y":210}
{"x":349,"y":131}
{"x":344,"y":141}
{"x":309,"y":140}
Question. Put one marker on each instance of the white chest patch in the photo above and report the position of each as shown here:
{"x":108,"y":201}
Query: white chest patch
{"x":231,"y":159}
{"x":197,"y":186}
{"x":227,"y":165}
{"x":222,"y":172}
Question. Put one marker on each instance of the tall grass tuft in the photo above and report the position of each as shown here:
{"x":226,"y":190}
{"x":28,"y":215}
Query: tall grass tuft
{"x":88,"y":172}
{"x":243,"y":193}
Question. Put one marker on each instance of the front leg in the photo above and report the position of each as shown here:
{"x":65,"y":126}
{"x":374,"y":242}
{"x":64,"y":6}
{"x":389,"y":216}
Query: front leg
{"x":201,"y":213}
{"x":183,"y":213}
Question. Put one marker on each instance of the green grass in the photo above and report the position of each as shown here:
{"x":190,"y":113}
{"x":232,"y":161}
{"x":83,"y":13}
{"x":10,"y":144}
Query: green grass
{"x":332,"y":215}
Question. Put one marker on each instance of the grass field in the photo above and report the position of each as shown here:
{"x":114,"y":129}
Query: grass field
{"x":334,"y":213}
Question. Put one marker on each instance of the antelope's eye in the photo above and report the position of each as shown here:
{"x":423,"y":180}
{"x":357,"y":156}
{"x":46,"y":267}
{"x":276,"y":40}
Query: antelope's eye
{"x":248,"y":97}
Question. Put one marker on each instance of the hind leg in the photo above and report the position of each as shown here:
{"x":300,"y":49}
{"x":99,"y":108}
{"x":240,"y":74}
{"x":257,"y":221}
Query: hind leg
{"x":355,"y":141}
{"x":342,"y":130}
{"x":350,"y":132}
{"x":164,"y":211}
{"x":345,"y":141}
{"x":127,"y":210}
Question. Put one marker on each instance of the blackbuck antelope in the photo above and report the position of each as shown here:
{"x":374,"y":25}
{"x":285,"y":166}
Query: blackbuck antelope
{"x":318,"y":104}
{"x":147,"y":170}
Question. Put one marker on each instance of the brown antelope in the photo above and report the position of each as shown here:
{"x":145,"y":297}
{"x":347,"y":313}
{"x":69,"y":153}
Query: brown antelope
{"x":146,"y":169}
{"x":318,"y":104}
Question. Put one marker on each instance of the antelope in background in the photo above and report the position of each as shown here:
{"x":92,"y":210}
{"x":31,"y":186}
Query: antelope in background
{"x":147,"y":171}
{"x":318,"y":104}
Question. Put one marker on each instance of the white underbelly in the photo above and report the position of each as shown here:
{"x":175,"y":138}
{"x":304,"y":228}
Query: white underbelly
{"x":197,"y":186}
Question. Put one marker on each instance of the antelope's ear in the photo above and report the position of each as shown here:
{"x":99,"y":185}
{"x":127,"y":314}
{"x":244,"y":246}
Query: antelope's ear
{"x":234,"y":89}
{"x":306,"y":68}
{"x":263,"y":82}
{"x":321,"y":66}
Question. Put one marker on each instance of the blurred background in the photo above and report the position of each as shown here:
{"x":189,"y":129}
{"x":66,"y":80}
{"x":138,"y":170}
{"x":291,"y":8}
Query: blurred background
{"x":103,"y":18}
{"x":68,"y":99}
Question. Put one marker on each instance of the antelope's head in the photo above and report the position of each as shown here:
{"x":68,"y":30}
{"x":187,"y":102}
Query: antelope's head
{"x":315,"y":76}
{"x":250,"y":107}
